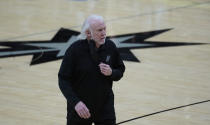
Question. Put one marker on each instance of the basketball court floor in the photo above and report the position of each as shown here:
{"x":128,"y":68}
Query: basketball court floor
{"x":165,"y":45}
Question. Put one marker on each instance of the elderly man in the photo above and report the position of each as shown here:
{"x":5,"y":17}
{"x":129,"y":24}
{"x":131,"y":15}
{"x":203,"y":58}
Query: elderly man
{"x":86,"y":75}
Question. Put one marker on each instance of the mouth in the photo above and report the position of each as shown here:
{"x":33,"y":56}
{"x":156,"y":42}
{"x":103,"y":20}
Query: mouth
{"x":103,"y":38}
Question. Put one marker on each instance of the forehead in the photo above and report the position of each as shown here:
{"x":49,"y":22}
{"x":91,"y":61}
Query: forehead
{"x":97,"y":24}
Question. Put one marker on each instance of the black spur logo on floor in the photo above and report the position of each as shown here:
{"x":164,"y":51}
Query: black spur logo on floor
{"x":54,"y":49}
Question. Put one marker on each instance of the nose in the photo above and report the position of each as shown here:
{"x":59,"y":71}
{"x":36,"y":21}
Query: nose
{"x":104,"y":32}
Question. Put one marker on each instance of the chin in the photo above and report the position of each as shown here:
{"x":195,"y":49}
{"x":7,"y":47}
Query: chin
{"x":102,"y":41}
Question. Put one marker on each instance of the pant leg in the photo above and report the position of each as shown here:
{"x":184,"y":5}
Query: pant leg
{"x":108,"y":113}
{"x":106,"y":122}
{"x":70,"y":122}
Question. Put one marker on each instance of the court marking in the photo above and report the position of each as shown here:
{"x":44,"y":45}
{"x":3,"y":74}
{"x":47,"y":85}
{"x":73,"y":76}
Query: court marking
{"x":54,"y":49}
{"x":111,"y":20}
{"x":179,"y":107}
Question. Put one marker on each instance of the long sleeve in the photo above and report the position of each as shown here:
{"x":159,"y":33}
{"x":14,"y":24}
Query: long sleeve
{"x":118,"y":68}
{"x":65,"y":77}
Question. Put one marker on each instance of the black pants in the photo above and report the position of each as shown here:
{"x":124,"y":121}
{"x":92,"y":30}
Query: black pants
{"x":108,"y":116}
{"x":104,"y":122}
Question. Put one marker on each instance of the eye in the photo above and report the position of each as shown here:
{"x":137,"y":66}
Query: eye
{"x":100,"y":30}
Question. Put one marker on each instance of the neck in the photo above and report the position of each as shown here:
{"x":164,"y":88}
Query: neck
{"x":97,"y":45}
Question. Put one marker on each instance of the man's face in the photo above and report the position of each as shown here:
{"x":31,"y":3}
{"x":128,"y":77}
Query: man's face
{"x":98,"y":32}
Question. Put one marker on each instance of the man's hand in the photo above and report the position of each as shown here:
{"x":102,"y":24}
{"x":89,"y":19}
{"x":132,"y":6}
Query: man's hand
{"x":82,"y":110}
{"x":105,"y":69}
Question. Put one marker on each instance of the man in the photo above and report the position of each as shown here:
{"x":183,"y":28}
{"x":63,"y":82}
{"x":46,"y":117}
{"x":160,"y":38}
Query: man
{"x":86,"y":75}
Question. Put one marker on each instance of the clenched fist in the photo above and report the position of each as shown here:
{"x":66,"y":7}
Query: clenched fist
{"x":105,"y":69}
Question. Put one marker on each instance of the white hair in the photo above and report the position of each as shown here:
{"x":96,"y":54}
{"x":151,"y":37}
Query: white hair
{"x":86,"y":25}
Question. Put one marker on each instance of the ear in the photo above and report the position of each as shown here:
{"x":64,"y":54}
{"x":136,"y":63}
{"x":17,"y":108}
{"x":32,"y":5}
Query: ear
{"x":88,"y":33}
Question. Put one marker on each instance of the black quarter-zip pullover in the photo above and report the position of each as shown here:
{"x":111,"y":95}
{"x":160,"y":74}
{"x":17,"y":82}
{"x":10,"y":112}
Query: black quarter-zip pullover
{"x":80,"y":78}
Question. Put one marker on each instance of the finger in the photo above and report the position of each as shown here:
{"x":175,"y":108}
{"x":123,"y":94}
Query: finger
{"x":105,"y":68}
{"x":85,"y":111}
{"x":103,"y":72}
{"x":81,"y":109}
{"x":106,"y":72}
{"x":102,"y":65}
{"x":85,"y":114}
{"x":80,"y":114}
